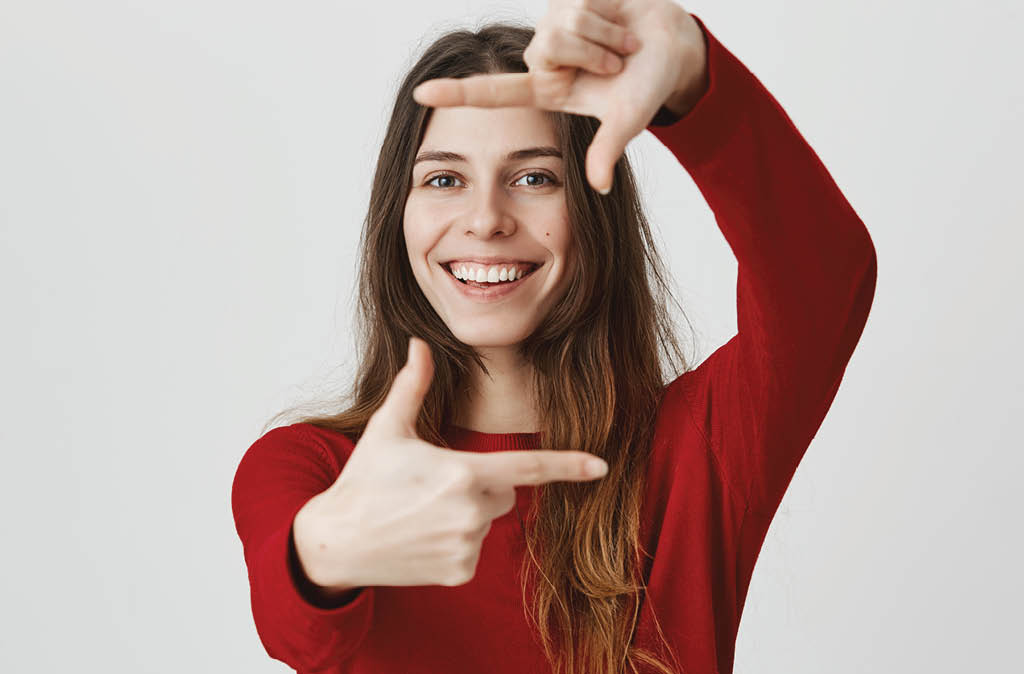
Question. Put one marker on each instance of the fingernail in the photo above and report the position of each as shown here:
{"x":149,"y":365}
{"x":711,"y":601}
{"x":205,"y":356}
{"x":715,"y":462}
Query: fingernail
{"x":596,"y":467}
{"x":612,"y":63}
{"x":605,"y":190}
{"x":631,"y":43}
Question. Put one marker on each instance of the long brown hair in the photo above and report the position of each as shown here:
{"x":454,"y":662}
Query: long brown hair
{"x":601,"y":357}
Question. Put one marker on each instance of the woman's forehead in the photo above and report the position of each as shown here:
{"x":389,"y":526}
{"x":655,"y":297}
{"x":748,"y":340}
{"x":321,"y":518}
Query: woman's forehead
{"x":487,"y":132}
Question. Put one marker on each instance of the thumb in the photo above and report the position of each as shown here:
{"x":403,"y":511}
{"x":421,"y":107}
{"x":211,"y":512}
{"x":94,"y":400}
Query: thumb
{"x":402,"y":405}
{"x":608,"y":144}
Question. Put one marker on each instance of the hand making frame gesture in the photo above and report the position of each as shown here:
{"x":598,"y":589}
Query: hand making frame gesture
{"x":616,"y":60}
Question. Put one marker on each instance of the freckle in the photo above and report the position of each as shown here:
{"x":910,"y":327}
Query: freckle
{"x":547,"y":233}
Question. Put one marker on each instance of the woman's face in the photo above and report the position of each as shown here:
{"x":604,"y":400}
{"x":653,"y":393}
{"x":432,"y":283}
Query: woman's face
{"x":487,"y":194}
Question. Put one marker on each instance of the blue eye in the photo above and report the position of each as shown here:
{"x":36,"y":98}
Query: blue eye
{"x":550,"y":180}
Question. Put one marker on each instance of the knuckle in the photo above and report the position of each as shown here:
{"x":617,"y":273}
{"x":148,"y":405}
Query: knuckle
{"x":461,"y":476}
{"x":528,"y":52}
{"x":453,"y":578}
{"x":553,"y":41}
{"x":507,"y":500}
{"x":602,"y":57}
{"x":467,"y":556}
{"x":574,"y":21}
{"x":542,"y":56}
{"x":467,"y":563}
{"x":459,"y":577}
{"x":461,"y":570}
{"x":471,"y":521}
{"x":552,"y":89}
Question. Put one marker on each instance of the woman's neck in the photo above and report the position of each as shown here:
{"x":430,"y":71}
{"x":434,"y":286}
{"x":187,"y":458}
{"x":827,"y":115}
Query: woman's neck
{"x":501,"y":401}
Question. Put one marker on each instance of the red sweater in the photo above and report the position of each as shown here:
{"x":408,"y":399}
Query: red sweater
{"x":729,"y":434}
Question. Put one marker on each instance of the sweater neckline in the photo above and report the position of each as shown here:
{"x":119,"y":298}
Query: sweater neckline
{"x":467,"y":438}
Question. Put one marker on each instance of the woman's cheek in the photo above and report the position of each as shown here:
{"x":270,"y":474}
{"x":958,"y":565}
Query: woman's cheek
{"x":421,"y":227}
{"x":413,"y":227}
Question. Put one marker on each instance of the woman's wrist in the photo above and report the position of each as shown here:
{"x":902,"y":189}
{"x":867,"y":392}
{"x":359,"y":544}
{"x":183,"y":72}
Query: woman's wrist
{"x":682,"y":101}
{"x":694,"y":79}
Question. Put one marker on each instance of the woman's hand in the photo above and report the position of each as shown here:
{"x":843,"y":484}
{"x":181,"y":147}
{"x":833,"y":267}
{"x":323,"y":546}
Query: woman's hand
{"x":405,"y":512}
{"x":580,"y":61}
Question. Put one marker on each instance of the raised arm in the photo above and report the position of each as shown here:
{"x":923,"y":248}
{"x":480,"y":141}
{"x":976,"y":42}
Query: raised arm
{"x":806,"y":280}
{"x":278,"y":474}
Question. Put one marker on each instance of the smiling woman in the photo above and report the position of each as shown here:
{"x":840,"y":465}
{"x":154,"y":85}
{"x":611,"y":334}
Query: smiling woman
{"x":514,"y":331}
{"x":494,"y":214}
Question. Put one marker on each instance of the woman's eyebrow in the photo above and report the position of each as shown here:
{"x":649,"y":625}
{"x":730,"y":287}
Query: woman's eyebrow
{"x":515,"y":155}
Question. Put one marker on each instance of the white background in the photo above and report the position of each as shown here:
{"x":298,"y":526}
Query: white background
{"x":181,"y":191}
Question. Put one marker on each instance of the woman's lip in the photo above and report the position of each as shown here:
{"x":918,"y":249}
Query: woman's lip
{"x":470,"y":260}
{"x":499,"y":290}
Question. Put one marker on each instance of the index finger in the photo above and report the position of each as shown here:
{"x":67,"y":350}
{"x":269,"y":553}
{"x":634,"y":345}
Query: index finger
{"x":485,"y":91}
{"x":535,"y":466}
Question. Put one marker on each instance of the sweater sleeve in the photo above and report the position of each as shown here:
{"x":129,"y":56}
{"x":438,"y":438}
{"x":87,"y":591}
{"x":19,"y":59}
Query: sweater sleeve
{"x":806,"y":280}
{"x":277,"y":475}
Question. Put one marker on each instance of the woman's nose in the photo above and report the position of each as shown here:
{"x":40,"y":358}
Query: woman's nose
{"x":490,"y":215}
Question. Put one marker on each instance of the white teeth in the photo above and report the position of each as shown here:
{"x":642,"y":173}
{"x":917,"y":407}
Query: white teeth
{"x":495,"y":274}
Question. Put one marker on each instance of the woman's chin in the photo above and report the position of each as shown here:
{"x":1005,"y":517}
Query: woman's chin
{"x":491,"y":336}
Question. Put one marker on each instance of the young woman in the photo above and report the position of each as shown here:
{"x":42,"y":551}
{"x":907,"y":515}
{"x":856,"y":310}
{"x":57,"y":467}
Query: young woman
{"x":513,"y":325}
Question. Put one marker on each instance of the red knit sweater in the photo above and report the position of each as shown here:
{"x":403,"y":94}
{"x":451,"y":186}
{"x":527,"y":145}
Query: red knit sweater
{"x":729,"y":434}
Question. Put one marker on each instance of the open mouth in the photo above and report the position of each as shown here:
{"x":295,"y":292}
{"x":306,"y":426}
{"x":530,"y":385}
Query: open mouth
{"x":529,"y":269}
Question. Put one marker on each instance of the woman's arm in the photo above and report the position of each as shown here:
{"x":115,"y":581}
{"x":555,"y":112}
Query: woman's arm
{"x":807,"y":270}
{"x":299,"y":624}
{"x":806,"y":262}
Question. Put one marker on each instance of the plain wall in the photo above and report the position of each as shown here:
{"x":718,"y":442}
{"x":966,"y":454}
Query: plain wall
{"x":181,"y":191}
